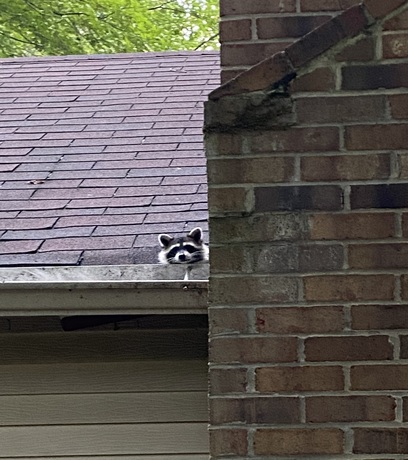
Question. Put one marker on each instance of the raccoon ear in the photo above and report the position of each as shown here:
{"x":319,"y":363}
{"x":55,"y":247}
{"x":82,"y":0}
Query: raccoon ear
{"x":196,"y":234}
{"x":164,"y":240}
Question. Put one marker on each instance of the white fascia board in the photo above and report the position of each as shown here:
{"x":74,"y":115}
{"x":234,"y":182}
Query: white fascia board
{"x":93,"y":290}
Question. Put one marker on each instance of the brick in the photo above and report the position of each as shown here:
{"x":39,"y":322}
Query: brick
{"x":380,"y":440}
{"x":223,"y":381}
{"x":326,"y":5}
{"x":405,"y":409}
{"x":395,"y":46}
{"x":297,"y":379}
{"x":235,"y":30}
{"x":299,"y":441}
{"x":248,"y":290}
{"x":268,"y":71}
{"x":228,"y":442}
{"x":352,"y":226}
{"x":348,"y":348}
{"x":249,"y":350}
{"x":323,"y":409}
{"x":379,"y":377}
{"x":249,"y":54}
{"x":378,"y":317}
{"x":399,"y":106}
{"x":365,"y":77}
{"x":288,"y":26}
{"x":345,"y":167}
{"x":259,"y":410}
{"x":279,"y":227}
{"x":296,"y":198}
{"x":362,"y":50}
{"x":404,"y":346}
{"x":232,"y":7}
{"x":378,"y":256}
{"x":398,"y":22}
{"x":320,"y":79}
{"x":391,"y":196}
{"x":349,"y":287}
{"x":322,"y":139}
{"x":228,"y":320}
{"x":376,"y":137}
{"x":254,"y":170}
{"x":232,"y":199}
{"x":340,"y":109}
{"x":379,"y":9}
{"x":300,"y":320}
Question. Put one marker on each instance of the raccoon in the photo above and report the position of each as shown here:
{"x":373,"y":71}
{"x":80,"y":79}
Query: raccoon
{"x":188,"y":249}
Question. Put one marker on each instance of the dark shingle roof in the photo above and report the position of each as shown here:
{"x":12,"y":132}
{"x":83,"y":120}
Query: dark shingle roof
{"x":99,"y":154}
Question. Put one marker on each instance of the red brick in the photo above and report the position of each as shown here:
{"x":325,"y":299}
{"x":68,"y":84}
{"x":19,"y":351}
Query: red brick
{"x":398,"y":22}
{"x":294,"y":198}
{"x":399,"y":106}
{"x":376,"y":137}
{"x":300,"y":320}
{"x":320,"y":79}
{"x":231,"y":199}
{"x":299,"y":379}
{"x":298,"y":441}
{"x":234,"y":7}
{"x":395,"y":46}
{"x":322,"y":409}
{"x":261,"y":289}
{"x":340,"y":109}
{"x":235,"y":30}
{"x":224,"y":381}
{"x":365,"y":77}
{"x":352,"y":226}
{"x":249,"y":54}
{"x":254,"y":170}
{"x":228,"y":320}
{"x":349,"y":287}
{"x":263,"y":75}
{"x":254,"y":410}
{"x":247,"y":350}
{"x":288,"y":26}
{"x":404,"y":346}
{"x":380,"y":440}
{"x":379,"y":377}
{"x":362,"y":50}
{"x":380,"y":9}
{"x":326,"y":5}
{"x":345,"y":167}
{"x":378,"y":317}
{"x":348,"y":348}
{"x":228,"y":442}
{"x":378,"y":255}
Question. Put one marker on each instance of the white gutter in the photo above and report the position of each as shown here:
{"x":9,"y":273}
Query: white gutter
{"x":107,"y":289}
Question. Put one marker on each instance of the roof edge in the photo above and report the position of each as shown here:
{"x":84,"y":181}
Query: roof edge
{"x":285,"y":64}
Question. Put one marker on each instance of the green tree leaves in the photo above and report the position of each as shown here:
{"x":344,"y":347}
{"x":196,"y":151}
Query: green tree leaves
{"x":60,"y":27}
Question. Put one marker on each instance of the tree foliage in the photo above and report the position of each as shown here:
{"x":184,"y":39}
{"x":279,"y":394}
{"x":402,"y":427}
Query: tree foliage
{"x":60,"y":27}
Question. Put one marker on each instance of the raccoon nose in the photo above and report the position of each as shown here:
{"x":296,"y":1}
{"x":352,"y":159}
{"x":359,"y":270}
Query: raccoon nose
{"x":182,"y":257}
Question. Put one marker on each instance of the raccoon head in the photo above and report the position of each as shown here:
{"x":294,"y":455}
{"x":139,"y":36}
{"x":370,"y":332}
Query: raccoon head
{"x":188,"y":249}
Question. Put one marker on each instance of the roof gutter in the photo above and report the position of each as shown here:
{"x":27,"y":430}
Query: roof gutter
{"x":100,"y":290}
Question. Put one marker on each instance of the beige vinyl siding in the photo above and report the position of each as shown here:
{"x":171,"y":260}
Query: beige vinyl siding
{"x":110,"y":395}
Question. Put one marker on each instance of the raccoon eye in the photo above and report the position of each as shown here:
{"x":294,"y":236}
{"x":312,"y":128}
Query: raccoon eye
{"x":191,"y":249}
{"x":173,"y":252}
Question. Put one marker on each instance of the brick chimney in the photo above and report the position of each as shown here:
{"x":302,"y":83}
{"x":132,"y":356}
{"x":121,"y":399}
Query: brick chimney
{"x":308,"y":196}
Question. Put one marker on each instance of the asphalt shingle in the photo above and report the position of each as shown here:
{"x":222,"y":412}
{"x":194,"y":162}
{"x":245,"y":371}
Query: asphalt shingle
{"x":100,"y":154}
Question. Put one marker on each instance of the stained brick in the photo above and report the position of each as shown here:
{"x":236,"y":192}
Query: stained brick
{"x":380,"y":441}
{"x":291,"y":198}
{"x":395,"y":46}
{"x":349,"y":287}
{"x":288,"y":26}
{"x":348,"y":348}
{"x":248,"y":350}
{"x":290,"y":379}
{"x":352,"y":226}
{"x":365,"y":77}
{"x":298,"y":441}
{"x":250,"y":54}
{"x":232,"y":441}
{"x":259,"y":410}
{"x":300,"y":320}
{"x":390,"y":196}
{"x":350,"y":409}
